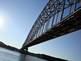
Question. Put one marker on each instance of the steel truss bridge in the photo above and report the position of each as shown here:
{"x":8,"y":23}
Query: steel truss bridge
{"x":59,"y":17}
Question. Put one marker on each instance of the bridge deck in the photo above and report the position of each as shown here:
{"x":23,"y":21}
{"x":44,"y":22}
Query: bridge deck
{"x":67,"y":25}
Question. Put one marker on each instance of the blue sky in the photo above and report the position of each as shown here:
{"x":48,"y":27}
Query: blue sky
{"x":20,"y":15}
{"x":67,"y":47}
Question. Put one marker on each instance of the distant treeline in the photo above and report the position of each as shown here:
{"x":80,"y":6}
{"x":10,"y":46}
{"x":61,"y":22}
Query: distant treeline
{"x":3,"y":45}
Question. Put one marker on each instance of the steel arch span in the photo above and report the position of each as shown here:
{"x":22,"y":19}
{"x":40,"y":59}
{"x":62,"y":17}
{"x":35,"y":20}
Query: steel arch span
{"x":59,"y":17}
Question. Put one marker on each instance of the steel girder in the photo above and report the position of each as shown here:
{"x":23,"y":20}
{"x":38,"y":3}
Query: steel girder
{"x":50,"y":10}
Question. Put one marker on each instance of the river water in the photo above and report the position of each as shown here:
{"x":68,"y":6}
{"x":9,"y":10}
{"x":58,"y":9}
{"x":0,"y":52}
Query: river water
{"x":7,"y":55}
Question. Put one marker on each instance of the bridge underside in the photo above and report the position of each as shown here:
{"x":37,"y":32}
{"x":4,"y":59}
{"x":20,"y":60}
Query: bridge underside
{"x":67,"y":25}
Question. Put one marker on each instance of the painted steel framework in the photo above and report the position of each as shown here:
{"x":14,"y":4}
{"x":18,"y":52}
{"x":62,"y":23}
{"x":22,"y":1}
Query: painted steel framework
{"x":56,"y":15}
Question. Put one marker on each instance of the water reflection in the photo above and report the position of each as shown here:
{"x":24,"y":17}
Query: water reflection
{"x":22,"y":57}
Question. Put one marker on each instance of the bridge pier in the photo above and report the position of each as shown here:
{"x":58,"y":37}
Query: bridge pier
{"x":24,"y":50}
